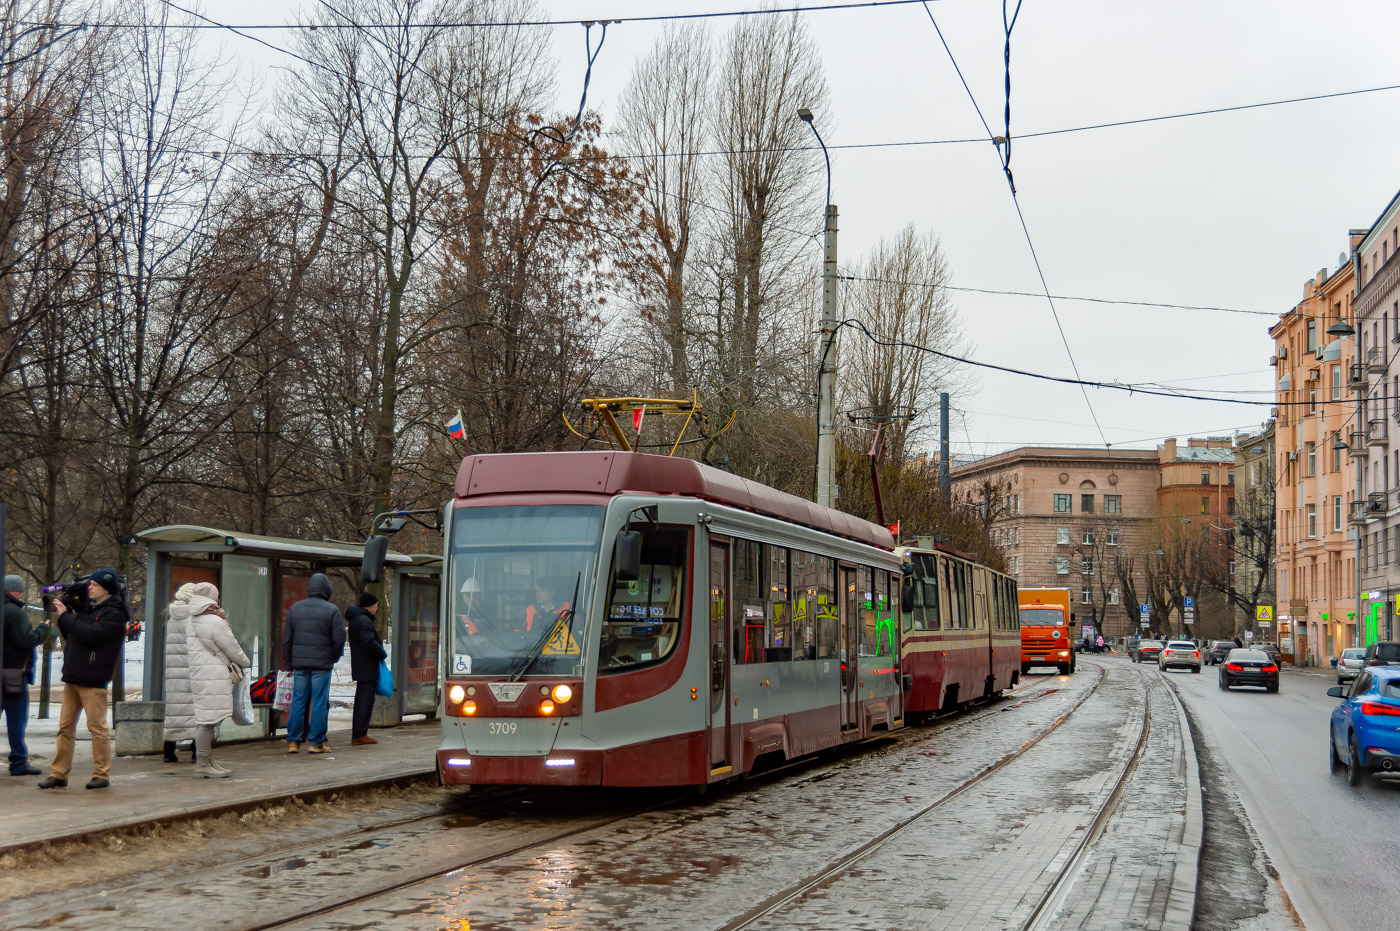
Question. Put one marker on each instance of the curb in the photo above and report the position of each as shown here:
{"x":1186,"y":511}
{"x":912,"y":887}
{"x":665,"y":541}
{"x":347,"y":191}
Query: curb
{"x":1181,"y":902}
{"x":175,"y":816}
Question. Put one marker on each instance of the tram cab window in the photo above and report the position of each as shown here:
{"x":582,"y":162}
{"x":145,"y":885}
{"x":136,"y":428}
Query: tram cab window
{"x":925,"y":579}
{"x":643,"y":621}
{"x":805,"y":569}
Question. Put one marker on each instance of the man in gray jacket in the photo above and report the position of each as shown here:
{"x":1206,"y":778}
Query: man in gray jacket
{"x":313,"y":639}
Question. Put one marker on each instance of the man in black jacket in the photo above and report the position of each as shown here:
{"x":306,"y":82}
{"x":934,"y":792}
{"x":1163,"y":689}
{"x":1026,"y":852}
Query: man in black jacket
{"x":92,"y":644}
{"x":313,"y":639}
{"x":18,"y":661}
{"x":366,"y":653}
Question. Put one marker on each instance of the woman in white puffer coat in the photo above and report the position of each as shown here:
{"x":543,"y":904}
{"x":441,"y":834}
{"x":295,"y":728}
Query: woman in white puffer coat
{"x":179,"y":701}
{"x":212,"y":650}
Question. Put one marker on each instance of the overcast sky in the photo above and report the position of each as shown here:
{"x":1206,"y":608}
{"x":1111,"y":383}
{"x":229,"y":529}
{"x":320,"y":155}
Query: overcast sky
{"x":1232,"y":210}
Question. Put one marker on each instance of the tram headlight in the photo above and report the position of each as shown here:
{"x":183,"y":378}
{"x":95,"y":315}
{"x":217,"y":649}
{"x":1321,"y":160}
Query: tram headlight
{"x":546,"y":707}
{"x":456,"y":694}
{"x":562,"y":694}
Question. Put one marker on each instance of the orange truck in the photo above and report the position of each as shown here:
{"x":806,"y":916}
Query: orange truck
{"x":1045,"y":629}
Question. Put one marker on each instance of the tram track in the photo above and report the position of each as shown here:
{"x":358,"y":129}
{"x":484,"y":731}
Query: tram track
{"x":777,"y":902}
{"x":485,"y":809}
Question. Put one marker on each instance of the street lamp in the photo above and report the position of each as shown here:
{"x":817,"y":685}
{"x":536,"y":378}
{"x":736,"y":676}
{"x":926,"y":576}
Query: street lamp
{"x":826,"y":369}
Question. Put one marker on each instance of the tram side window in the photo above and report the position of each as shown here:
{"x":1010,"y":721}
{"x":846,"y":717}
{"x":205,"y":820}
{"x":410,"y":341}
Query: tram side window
{"x":750,"y":597}
{"x":805,"y":569}
{"x":887,"y":636}
{"x":965,"y":581}
{"x":828,"y":622}
{"x":866,"y":605}
{"x":644,"y":617}
{"x":925,"y":579}
{"x":778,"y":646}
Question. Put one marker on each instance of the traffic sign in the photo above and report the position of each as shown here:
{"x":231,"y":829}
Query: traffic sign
{"x":1144,"y":610}
{"x":1249,"y":635}
{"x":1264,"y":613}
{"x":1190,"y":602}
{"x":1266,"y":623}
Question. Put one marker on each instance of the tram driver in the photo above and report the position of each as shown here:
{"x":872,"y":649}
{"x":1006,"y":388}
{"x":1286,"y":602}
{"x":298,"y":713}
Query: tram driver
{"x":546,"y":608}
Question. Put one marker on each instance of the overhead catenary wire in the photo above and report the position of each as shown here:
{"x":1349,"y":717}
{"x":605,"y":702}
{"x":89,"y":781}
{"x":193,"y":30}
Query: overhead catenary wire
{"x":1003,"y":155}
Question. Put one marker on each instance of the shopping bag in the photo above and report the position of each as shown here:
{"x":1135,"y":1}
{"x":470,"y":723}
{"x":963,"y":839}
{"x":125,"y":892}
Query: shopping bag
{"x":386,"y":681}
{"x":282,"y":701}
{"x":242,"y":701}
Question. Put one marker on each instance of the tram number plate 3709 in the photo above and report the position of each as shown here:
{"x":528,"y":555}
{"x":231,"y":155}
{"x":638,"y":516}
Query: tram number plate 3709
{"x":501,"y":727}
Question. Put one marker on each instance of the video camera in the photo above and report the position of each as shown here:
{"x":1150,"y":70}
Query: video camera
{"x":73,"y":594}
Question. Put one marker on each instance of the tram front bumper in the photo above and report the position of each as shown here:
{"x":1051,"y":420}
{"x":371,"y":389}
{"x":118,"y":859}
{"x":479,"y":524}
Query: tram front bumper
{"x":559,"y":768}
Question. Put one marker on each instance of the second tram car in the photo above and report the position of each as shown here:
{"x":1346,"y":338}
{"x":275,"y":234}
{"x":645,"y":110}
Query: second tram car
{"x":622,"y":619}
{"x":960,"y":634}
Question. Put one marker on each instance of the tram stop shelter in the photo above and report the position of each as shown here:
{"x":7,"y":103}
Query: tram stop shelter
{"x":259,"y":579}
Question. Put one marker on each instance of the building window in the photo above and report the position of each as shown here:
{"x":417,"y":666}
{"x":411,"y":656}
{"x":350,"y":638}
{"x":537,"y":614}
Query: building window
{"x":1336,"y":512}
{"x":1312,"y":458}
{"x":1232,"y":568}
{"x":1254,"y":473}
{"x":1086,"y":597}
{"x":1062,"y":535}
{"x":1312,"y":521}
{"x":1062,"y":565}
{"x":1312,"y":400}
{"x":1113,"y":504}
{"x":1205,"y":505}
{"x":1312,"y":336}
{"x":1088,"y":538}
{"x":1230,"y":506}
{"x":1337,"y":381}
{"x":1015,"y":565}
{"x":1086,"y":503}
{"x":1205,"y":476}
{"x":1062,"y":504}
{"x":1112,"y":536}
{"x":1086,"y":567}
{"x":1230,"y":477}
{"x":1336,"y":459}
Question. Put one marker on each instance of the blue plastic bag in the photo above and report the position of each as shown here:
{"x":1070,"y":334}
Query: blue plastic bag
{"x":386,"y":680}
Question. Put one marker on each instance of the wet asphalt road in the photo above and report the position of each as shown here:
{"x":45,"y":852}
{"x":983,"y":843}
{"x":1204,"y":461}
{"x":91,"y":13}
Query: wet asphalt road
{"x":1337,"y":849}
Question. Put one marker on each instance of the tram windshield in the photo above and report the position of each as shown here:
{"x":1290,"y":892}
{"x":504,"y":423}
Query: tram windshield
{"x":1042,"y":617}
{"x":517,"y":573}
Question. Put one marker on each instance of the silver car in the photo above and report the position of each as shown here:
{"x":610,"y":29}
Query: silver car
{"x":1353,"y":659}
{"x":1180,"y":653}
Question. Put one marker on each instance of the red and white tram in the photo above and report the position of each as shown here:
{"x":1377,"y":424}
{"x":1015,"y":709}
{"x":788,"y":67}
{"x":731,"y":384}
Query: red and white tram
{"x":960,"y":634}
{"x":730,"y":622}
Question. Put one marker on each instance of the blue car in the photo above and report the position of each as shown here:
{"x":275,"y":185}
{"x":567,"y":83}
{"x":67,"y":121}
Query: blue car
{"x":1365,"y":731}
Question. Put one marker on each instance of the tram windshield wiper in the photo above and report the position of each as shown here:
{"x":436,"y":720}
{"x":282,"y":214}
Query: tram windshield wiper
{"x":567,"y":616}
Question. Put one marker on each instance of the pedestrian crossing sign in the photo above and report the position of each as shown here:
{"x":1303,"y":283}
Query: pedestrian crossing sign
{"x":561,"y":642}
{"x":1264,"y":613}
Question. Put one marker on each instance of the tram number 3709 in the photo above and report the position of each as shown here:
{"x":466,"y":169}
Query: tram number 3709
{"x":500,"y":727}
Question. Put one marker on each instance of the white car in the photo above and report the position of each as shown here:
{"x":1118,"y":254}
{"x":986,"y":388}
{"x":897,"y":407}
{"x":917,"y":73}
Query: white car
{"x":1180,"y":653}
{"x":1352,"y":661}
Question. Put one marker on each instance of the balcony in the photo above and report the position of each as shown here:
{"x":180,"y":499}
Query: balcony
{"x":1375,"y":503}
{"x":1357,"y":513}
{"x":1356,"y":375}
{"x":1376,"y":362}
{"x":1376,"y":433}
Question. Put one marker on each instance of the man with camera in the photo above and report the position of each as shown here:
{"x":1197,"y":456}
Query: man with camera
{"x":18,"y":661}
{"x":92,"y":643}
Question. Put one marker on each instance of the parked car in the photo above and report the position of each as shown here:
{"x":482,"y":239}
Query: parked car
{"x":1352,"y":661}
{"x":1383,"y":653}
{"x":1130,"y":645}
{"x":1249,"y":667}
{"x":1147,"y":650}
{"x":1365,"y":731}
{"x":1269,"y":648}
{"x":1218,"y":651}
{"x":1180,"y":653}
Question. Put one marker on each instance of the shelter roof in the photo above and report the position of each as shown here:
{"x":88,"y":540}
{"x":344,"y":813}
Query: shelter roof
{"x":236,"y":541}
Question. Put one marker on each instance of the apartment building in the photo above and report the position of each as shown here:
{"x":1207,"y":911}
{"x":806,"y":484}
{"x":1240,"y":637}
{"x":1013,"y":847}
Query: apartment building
{"x":1256,"y":537}
{"x":1065,"y":516}
{"x":1316,"y":375}
{"x":1377,"y":315}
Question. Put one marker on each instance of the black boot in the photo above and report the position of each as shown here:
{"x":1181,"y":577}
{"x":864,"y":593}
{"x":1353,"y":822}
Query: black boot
{"x":194,"y":753}
{"x":170,"y":756}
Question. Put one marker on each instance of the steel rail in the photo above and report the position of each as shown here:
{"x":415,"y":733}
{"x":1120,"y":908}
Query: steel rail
{"x":785,"y":897}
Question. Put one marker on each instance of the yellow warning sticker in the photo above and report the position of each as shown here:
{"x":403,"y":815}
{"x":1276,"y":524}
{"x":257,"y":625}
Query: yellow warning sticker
{"x":561,"y":642}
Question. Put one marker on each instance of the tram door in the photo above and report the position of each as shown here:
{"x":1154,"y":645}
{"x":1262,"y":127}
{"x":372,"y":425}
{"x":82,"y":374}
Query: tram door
{"x":850,"y":650}
{"x":719,"y":654}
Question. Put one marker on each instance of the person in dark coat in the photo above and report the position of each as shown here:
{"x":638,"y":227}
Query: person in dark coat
{"x":92,"y":644}
{"x":313,"y":639}
{"x":20,"y":639}
{"x":366,"y":653}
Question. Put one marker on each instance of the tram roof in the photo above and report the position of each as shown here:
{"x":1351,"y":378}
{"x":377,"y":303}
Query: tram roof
{"x":614,"y":473}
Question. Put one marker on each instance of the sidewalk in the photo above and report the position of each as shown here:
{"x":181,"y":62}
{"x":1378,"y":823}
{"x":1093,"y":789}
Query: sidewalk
{"x":147,"y":791}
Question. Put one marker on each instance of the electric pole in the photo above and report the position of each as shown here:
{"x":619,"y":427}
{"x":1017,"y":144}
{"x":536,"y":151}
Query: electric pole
{"x":826,"y":372}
